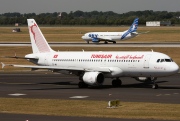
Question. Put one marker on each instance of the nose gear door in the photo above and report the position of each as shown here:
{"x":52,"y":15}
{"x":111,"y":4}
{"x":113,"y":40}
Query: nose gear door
{"x":146,"y":61}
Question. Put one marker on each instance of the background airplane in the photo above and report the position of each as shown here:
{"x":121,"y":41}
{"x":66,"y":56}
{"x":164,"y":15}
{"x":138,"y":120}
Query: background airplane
{"x":96,"y":37}
{"x":93,"y":67}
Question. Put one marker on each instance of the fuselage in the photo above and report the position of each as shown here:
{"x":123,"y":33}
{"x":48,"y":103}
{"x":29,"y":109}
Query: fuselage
{"x":107,"y":36}
{"x":129,"y":64}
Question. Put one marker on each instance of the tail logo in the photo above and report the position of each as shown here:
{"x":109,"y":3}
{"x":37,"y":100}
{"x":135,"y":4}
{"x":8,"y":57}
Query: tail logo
{"x":133,"y":28}
{"x":39,"y":39}
{"x":31,"y":28}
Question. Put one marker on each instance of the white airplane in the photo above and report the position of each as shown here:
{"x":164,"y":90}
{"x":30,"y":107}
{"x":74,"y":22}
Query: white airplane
{"x":93,"y":67}
{"x":96,"y":37}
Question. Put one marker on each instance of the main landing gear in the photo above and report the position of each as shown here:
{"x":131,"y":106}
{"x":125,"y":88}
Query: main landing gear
{"x":81,"y":84}
{"x":116,"y":82}
{"x":105,"y":42}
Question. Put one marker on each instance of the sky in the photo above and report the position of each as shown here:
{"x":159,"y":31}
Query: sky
{"x":117,"y":6}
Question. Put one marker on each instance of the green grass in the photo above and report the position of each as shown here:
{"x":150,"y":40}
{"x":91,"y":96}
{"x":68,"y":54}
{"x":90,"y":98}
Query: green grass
{"x":55,"y":107}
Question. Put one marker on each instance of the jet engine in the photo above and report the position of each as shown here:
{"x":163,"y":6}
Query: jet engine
{"x":95,"y":40}
{"x":93,"y":78}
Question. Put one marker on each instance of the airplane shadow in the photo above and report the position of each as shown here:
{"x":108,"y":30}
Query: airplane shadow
{"x":71,"y":85}
{"x":59,"y":83}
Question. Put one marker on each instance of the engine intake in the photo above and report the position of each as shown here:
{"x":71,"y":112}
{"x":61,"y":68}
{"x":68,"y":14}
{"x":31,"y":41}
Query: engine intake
{"x":93,"y":78}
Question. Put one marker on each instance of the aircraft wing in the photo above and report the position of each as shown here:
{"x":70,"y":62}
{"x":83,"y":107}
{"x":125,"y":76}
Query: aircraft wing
{"x":100,"y":69}
{"x":105,"y":38}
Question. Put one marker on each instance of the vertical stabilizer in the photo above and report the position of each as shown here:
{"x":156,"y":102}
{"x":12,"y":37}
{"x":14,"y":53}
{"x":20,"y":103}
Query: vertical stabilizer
{"x":132,"y":29}
{"x":134,"y":26}
{"x":38,"y":41}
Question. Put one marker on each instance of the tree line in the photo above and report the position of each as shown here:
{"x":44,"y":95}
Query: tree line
{"x":90,"y":18}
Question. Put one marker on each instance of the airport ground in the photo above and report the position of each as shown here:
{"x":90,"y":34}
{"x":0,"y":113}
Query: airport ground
{"x":25,"y":93}
{"x":55,"y":86}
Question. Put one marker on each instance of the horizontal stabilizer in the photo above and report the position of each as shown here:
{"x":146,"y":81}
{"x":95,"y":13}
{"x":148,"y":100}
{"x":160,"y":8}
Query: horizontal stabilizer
{"x":17,"y":57}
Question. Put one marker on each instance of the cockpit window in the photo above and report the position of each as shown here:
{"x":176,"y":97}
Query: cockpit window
{"x":164,"y":60}
{"x":168,"y":60}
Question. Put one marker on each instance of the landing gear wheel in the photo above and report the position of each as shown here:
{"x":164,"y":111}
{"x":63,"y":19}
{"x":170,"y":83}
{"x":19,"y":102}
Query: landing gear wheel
{"x":116,"y":83}
{"x":155,"y":86}
{"x":105,"y":42}
{"x":114,"y":42}
{"x":82,"y":85}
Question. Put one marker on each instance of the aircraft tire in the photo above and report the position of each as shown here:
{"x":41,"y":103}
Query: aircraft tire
{"x":155,"y":86}
{"x":116,"y":83}
{"x":82,"y":85}
{"x":105,"y":42}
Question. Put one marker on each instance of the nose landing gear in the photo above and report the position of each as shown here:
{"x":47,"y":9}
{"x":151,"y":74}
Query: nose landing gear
{"x":155,"y":86}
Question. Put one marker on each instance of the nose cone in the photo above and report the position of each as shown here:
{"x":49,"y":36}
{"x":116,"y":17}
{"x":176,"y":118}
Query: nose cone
{"x":174,"y":68}
{"x":83,"y":37}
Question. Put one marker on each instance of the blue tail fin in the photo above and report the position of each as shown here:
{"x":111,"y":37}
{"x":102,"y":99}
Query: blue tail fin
{"x":133,"y":28}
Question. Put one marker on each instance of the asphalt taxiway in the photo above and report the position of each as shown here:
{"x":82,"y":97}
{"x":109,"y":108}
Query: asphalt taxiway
{"x":58,"y":86}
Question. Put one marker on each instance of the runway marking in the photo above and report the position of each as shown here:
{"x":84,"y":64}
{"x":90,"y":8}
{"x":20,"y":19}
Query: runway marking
{"x":167,"y":94}
{"x":16,"y":94}
{"x":176,"y":93}
{"x":79,"y":97}
{"x":159,"y":95}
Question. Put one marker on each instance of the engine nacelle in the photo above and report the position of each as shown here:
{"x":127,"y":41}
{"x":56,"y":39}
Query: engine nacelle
{"x":95,"y":40}
{"x":145,"y":79}
{"x":93,"y":78}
